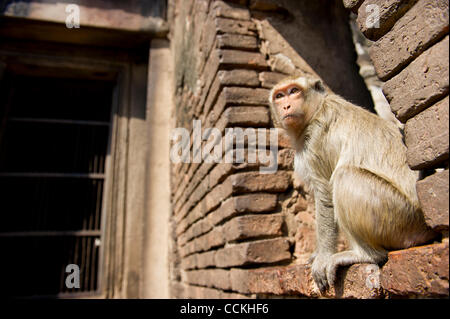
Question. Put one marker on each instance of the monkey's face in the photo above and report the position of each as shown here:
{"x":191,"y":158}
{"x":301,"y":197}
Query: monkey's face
{"x":287,"y":101}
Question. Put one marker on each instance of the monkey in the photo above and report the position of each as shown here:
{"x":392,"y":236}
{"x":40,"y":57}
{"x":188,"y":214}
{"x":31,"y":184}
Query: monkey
{"x":354,"y":163}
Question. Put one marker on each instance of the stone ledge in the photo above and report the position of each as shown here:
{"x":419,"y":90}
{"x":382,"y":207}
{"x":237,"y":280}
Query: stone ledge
{"x":418,"y":271}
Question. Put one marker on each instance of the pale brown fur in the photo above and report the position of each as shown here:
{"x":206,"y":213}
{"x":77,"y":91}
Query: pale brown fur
{"x":355,"y":164}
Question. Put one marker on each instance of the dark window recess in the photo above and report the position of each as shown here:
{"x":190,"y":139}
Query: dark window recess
{"x":54,"y":135}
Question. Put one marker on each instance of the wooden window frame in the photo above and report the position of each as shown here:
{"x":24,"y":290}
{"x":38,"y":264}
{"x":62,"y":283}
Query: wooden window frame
{"x":119,"y":215}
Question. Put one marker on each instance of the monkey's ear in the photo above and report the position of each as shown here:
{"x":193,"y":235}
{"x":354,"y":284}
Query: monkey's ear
{"x":318,"y":86}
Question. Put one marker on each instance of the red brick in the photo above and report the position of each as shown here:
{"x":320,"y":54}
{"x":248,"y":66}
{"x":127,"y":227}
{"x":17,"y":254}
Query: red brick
{"x":421,"y":271}
{"x":250,"y":203}
{"x":427,"y":136}
{"x":230,"y":10}
{"x":434,"y":200}
{"x":389,"y":12}
{"x":237,"y":96}
{"x":206,"y":259}
{"x":210,"y":293}
{"x":238,"y":58}
{"x":217,"y":278}
{"x":286,"y":158}
{"x":213,"y":199}
{"x":195,"y":292}
{"x":424,"y":24}
{"x":361,"y":281}
{"x":356,"y":281}
{"x":420,"y":84}
{"x":256,"y":182}
{"x":252,"y":116}
{"x":214,"y":238}
{"x":254,"y":252}
{"x":295,"y":279}
{"x":352,"y":4}
{"x":237,"y":77}
{"x":235,"y":27}
{"x":250,"y":226}
{"x":269,"y":79}
{"x":237,"y":41}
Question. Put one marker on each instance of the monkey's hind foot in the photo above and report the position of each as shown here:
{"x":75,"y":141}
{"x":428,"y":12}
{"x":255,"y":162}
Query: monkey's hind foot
{"x":347,"y":258}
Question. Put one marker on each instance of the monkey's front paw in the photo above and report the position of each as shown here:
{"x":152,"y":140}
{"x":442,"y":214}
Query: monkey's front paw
{"x":319,"y":271}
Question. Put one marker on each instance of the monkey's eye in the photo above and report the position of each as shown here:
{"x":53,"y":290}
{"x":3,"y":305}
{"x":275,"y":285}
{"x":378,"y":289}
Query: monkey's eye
{"x":294,"y":90}
{"x":279,"y":95}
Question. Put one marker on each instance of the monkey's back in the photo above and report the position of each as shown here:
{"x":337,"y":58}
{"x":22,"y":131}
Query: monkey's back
{"x":369,"y":142}
{"x":348,"y":137}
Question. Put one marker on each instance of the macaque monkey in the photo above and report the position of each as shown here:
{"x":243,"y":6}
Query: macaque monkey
{"x":354,"y":162}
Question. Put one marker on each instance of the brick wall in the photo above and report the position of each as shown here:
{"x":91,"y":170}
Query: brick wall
{"x":410,"y":53}
{"x":237,"y":233}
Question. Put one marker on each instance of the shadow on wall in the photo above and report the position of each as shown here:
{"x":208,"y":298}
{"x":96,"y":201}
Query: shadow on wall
{"x":154,"y":8}
{"x":319,"y":32}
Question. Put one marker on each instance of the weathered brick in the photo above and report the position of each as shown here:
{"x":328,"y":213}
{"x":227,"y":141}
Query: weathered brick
{"x":420,"y":84}
{"x":250,"y":226}
{"x":214,"y":238}
{"x":357,"y":281}
{"x":269,"y":79}
{"x":250,"y":203}
{"x":295,"y":279}
{"x":237,"y":41}
{"x":434,"y":200}
{"x":424,"y":24}
{"x":189,"y":262}
{"x":239,"y":58}
{"x":235,"y":27}
{"x":230,"y":10}
{"x":219,"y":194}
{"x":255,"y":182}
{"x":238,"y":77}
{"x":217,"y":278}
{"x":427,"y":136}
{"x":361,"y":281}
{"x":286,"y":158}
{"x":196,"y":292}
{"x":208,"y":79}
{"x":201,"y":260}
{"x":206,"y":259}
{"x":253,"y":116}
{"x":389,"y":12}
{"x":419,"y":271}
{"x":263,"y":251}
{"x":352,"y":4}
{"x":187,"y":189}
{"x":187,"y":216}
{"x":237,"y":96}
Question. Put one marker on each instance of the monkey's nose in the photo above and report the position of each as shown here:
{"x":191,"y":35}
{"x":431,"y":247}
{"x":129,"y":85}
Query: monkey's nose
{"x":287,"y":107}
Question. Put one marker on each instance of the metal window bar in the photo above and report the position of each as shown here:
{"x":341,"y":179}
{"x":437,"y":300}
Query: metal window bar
{"x":41,"y":206}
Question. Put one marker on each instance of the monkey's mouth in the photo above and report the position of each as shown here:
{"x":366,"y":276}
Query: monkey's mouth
{"x":289,"y":116}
